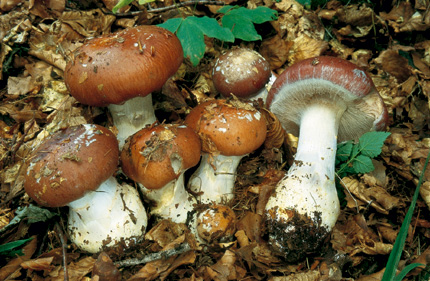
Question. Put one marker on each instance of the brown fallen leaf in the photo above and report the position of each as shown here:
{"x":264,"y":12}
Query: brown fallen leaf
{"x":396,"y":65}
{"x":76,"y":270}
{"x":353,"y":236}
{"x":38,"y":264}
{"x":311,"y":275}
{"x":375,"y":196}
{"x":163,"y":267}
{"x":15,"y":263}
{"x":105,"y":269}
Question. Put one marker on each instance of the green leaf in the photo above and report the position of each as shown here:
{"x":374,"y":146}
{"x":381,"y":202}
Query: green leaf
{"x":362,"y":164}
{"x":241,"y":20}
{"x":406,"y":270}
{"x":9,"y":249}
{"x":396,"y":253}
{"x":120,"y":4}
{"x":344,"y":151}
{"x":191,"y":31}
{"x":372,"y":142}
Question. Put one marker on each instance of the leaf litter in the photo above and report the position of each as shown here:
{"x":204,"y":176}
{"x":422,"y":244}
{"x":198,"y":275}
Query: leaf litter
{"x":386,"y":39}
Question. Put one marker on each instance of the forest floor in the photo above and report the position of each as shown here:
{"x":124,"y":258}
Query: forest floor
{"x":388,"y":39}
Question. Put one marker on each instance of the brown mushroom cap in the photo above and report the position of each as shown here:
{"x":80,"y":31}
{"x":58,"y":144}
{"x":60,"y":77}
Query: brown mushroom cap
{"x":231,"y":128}
{"x":114,"y":68}
{"x":156,"y":155}
{"x":331,"y":81}
{"x":70,"y":163}
{"x":241,"y":72}
{"x":216,"y":222}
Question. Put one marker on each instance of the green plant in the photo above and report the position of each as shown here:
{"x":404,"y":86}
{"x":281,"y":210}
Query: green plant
{"x":237,"y":23}
{"x":123,"y":3}
{"x":356,"y":158}
{"x":13,"y":248}
{"x":191,"y":31}
{"x":394,"y":258}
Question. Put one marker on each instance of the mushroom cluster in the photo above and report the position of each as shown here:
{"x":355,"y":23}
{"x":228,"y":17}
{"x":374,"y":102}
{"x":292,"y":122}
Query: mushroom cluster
{"x":75,"y":167}
{"x":121,"y":70}
{"x":323,"y":100}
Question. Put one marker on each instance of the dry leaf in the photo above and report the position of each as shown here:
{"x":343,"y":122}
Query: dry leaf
{"x":38,"y":264}
{"x":14,"y":264}
{"x":76,"y":270}
{"x":353,"y":236}
{"x":375,"y":196}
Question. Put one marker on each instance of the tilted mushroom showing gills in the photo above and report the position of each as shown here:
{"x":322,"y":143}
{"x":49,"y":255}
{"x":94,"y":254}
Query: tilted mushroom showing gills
{"x":156,"y":157}
{"x":229,"y":130}
{"x":323,"y":100}
{"x":75,"y":168}
{"x":121,"y":70}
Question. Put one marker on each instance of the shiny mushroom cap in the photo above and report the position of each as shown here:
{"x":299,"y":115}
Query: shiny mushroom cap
{"x":70,"y":163}
{"x":156,"y":155}
{"x":117,"y":67}
{"x":241,"y":72}
{"x":228,"y":127}
{"x":331,"y":81}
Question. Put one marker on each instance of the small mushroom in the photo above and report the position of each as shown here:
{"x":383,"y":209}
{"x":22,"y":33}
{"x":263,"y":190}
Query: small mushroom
{"x":241,"y":72}
{"x":75,"y":168}
{"x":121,"y":70}
{"x":156,"y":157}
{"x":229,"y":131}
{"x":323,"y":100}
{"x":216,"y":223}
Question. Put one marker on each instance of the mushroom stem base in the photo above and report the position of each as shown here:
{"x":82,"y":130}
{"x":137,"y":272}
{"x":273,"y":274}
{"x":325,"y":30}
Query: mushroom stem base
{"x":105,"y":217}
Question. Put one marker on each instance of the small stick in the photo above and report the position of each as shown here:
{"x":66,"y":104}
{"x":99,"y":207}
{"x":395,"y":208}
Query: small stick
{"x":171,"y":7}
{"x":181,"y":248}
{"x":63,"y":246}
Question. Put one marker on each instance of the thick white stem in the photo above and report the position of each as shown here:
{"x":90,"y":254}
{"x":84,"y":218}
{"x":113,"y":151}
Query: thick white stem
{"x":214,"y":178}
{"x":305,"y":204}
{"x":172,"y":201}
{"x":104,"y":217}
{"x":131,"y":116}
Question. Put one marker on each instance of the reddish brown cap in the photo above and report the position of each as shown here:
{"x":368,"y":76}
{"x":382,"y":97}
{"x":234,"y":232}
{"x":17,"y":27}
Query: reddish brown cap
{"x":117,"y":67}
{"x":70,"y":163}
{"x":332,"y":81}
{"x":156,"y":155}
{"x":241,"y":72}
{"x":231,"y":128}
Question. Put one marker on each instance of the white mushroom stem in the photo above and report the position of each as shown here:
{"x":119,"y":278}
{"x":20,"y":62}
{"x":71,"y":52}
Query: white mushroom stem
{"x":172,"y":201}
{"x":309,"y":187}
{"x":214,"y":178}
{"x":131,"y":116}
{"x":104,"y":217}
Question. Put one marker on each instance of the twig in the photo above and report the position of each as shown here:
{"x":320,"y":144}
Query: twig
{"x":63,"y":247}
{"x":181,"y":248}
{"x":174,"y":6}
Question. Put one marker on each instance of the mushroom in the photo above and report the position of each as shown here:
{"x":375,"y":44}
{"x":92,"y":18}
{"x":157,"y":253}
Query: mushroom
{"x":323,"y":100}
{"x":156,"y":157}
{"x":229,"y":131}
{"x":242,"y":72}
{"x":216,"y":223}
{"x":74,"y":167}
{"x":121,"y":70}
